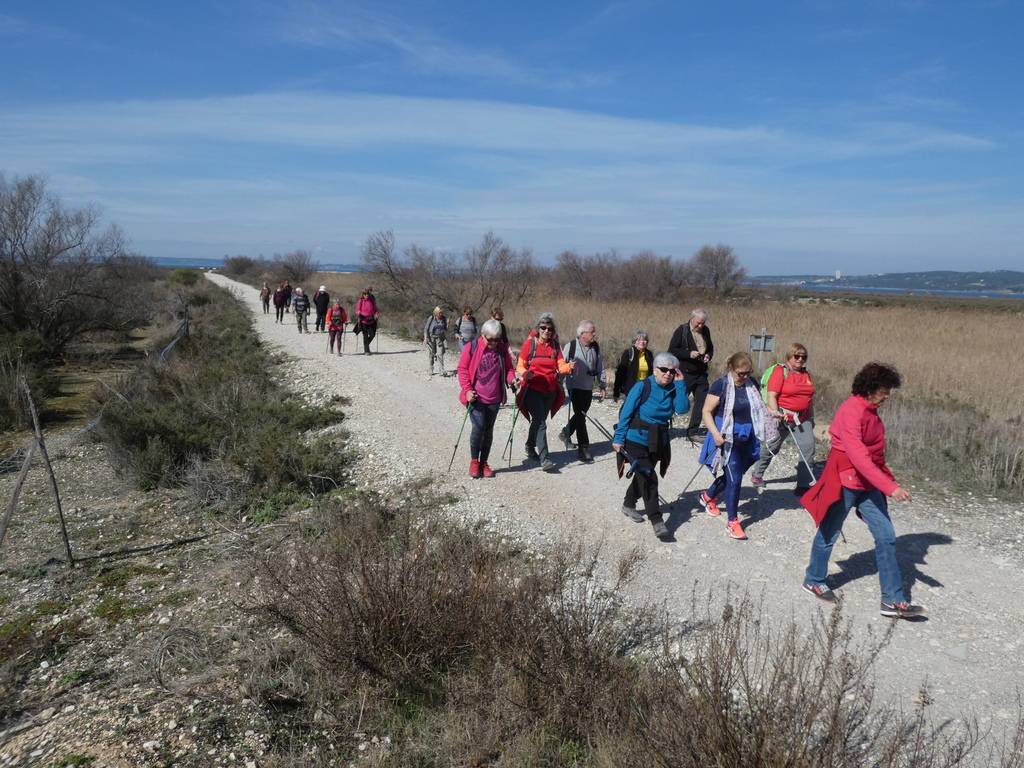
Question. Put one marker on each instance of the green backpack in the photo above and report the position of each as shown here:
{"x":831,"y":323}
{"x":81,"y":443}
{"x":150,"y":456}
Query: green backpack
{"x":767,"y":375}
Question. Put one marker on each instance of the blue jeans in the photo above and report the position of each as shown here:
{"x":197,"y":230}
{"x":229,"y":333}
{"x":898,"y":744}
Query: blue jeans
{"x":875,"y":511}
{"x":731,"y":480}
{"x":482,"y":415}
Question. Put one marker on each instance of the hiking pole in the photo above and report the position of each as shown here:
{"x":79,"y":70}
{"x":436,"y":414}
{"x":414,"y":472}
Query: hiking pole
{"x":802,"y":457}
{"x":469,"y":407}
{"x":599,"y":426}
{"x":699,"y":468}
{"x":632,"y":471}
{"x":511,"y":432}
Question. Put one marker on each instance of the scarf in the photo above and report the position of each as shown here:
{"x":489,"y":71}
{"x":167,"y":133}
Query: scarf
{"x":765,"y":429}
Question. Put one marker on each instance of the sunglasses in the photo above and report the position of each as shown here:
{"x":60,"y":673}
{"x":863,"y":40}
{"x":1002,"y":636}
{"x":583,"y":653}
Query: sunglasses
{"x":742,"y":374}
{"x":666,"y":370}
{"x":545,"y":328}
{"x":799,"y":357}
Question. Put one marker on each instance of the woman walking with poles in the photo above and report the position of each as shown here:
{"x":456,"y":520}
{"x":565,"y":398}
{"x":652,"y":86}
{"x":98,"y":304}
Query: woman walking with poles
{"x":790,"y":400}
{"x":367,"y":315}
{"x":642,"y":438}
{"x":856,"y":475}
{"x":540,"y":364}
{"x":281,"y":299}
{"x":738,"y":424}
{"x":435,"y":332}
{"x":485,"y":369}
{"x":336,"y":320}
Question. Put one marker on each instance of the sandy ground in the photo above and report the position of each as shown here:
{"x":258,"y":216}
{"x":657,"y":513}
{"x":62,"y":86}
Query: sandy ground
{"x":960,"y":556}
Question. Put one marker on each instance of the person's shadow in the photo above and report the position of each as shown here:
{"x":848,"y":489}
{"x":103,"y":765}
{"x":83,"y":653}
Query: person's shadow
{"x":911,"y":549}
{"x":763,"y":505}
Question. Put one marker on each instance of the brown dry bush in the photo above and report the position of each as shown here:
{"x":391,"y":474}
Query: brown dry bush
{"x":464,"y":650}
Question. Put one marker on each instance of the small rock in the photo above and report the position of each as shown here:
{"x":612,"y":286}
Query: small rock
{"x":150,"y":746}
{"x":47,"y":713}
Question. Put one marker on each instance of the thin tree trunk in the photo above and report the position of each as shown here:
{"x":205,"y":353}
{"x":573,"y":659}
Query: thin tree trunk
{"x":49,"y":469}
{"x":17,"y":490}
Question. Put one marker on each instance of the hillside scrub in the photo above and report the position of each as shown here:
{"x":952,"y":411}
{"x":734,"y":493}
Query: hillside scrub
{"x":213,"y":418}
{"x":438,"y":645}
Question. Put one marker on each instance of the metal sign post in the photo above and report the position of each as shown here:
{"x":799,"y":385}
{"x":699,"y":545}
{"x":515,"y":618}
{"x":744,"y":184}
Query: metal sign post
{"x":761,"y":343}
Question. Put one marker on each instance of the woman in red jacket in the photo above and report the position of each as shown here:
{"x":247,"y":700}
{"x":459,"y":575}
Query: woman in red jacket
{"x":856,"y":475}
{"x":540,"y":363}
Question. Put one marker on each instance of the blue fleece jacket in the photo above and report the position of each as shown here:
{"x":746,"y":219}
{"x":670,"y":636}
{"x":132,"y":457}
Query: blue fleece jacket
{"x":658,"y":409}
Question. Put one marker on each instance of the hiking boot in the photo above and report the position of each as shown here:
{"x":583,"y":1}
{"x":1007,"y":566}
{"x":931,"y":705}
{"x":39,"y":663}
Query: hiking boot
{"x":564,"y":437}
{"x":821,"y":592}
{"x":709,"y":504}
{"x":757,"y":481}
{"x":902,"y":610}
{"x":531,"y":453}
{"x":632,"y":514}
{"x":661,"y":530}
{"x":474,"y":468}
{"x":736,"y":530}
{"x":547,"y":465}
{"x":584,"y":454}
{"x":485,"y":468}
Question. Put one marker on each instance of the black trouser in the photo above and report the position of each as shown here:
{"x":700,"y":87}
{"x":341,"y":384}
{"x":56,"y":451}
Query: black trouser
{"x":538,"y":405}
{"x":266,"y":306}
{"x":644,"y":484}
{"x":369,"y":331}
{"x":321,"y":319}
{"x":280,"y":313}
{"x":580,"y":400}
{"x":482,"y":415}
{"x":696,"y":385}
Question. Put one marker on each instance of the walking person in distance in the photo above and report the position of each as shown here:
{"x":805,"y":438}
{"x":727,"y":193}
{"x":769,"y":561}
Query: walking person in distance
{"x":583,"y":353}
{"x":301,"y":304}
{"x":691,"y":344}
{"x":367,"y":315}
{"x":322,"y":301}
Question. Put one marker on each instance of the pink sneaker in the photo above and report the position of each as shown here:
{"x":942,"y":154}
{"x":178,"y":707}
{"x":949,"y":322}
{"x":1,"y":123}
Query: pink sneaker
{"x":757,"y":481}
{"x":736,"y":530}
{"x":709,"y":504}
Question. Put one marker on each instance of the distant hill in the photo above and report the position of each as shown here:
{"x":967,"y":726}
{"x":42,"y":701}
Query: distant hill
{"x":1007,"y":280}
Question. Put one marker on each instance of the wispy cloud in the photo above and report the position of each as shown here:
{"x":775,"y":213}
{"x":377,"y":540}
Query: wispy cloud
{"x":420,"y":49}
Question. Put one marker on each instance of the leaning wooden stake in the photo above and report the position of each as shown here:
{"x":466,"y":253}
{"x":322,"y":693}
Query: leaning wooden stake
{"x":29,"y":452}
{"x":49,"y":469}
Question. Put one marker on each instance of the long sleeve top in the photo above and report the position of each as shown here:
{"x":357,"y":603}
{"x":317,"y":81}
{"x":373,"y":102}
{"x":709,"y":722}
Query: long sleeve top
{"x":661,"y":403}
{"x":857,"y":431}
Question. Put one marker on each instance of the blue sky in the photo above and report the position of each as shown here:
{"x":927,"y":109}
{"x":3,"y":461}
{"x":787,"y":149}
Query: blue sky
{"x":811,"y":136}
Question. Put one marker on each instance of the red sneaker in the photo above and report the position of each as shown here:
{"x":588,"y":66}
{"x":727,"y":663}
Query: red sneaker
{"x":736,"y":530}
{"x":474,"y":468}
{"x":486,"y":468}
{"x":709,"y":504}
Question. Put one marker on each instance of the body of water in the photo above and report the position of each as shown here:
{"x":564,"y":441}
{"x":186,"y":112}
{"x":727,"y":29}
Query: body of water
{"x":170,"y":263}
{"x":828,"y":288}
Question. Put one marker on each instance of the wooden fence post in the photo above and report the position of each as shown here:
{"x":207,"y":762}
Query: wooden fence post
{"x":30,"y":451}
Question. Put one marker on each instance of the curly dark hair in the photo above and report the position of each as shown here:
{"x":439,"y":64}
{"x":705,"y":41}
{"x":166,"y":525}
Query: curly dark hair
{"x":873,"y":377}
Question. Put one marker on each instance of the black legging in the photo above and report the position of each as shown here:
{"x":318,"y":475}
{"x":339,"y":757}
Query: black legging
{"x":266,"y":306}
{"x":482,"y":415}
{"x":369,"y":331}
{"x":580,"y":400}
{"x":321,"y":319}
{"x":697,"y":385}
{"x":644,"y":484}
{"x":538,"y":404}
{"x":280,"y":313}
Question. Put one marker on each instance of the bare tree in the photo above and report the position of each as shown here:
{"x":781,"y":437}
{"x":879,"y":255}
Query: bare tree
{"x":59,"y":277}
{"x":716,"y":268}
{"x":298,"y":265}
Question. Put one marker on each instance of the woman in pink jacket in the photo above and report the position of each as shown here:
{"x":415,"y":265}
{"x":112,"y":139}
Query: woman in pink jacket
{"x":485,"y":369}
{"x":856,"y":475}
{"x":367,"y":314}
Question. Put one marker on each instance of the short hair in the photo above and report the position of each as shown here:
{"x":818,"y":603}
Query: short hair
{"x":699,"y":312}
{"x":583,"y":325}
{"x":546,"y":318}
{"x":794,"y":348}
{"x":467,"y":310}
{"x":491,"y":329}
{"x":666,"y":360}
{"x":641,"y":335}
{"x":438,"y":310}
{"x":497,"y":311}
{"x":873,"y":377}
{"x":738,"y":359}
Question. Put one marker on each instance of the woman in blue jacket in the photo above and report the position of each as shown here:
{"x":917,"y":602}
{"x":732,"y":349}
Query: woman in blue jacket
{"x":642,"y":439}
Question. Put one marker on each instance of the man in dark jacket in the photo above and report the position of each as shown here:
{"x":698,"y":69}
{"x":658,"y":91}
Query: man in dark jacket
{"x":321,"y":300}
{"x":287,"y":295}
{"x":691,"y":343}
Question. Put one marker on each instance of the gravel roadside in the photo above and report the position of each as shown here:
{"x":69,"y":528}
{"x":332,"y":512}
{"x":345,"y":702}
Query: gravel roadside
{"x":955,"y":552}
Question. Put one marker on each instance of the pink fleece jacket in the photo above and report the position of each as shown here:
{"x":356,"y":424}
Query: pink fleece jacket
{"x":858,"y":432}
{"x":469,"y":362}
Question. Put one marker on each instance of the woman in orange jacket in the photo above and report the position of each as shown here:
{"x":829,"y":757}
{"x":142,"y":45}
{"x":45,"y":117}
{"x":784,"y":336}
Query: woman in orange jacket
{"x":540,"y":364}
{"x":336,"y":319}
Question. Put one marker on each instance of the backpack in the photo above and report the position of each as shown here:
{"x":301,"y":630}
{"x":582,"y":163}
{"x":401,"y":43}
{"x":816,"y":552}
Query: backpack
{"x":768,"y":374}
{"x":572,"y":353}
{"x":533,"y":349}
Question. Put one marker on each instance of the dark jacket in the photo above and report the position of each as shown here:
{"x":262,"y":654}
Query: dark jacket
{"x":628,"y":369}
{"x":682,"y":345}
{"x":321,"y":300}
{"x":280,"y":297}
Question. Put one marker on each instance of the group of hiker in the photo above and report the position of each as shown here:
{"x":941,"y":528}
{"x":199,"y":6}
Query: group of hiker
{"x":738,"y":421}
{"x":331,"y":317}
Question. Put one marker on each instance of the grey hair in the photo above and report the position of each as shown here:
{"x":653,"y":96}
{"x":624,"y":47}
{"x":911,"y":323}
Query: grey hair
{"x":699,"y":312}
{"x":583,"y":325}
{"x":546,"y":318}
{"x":491,"y":329}
{"x":641,"y":335}
{"x":666,"y":360}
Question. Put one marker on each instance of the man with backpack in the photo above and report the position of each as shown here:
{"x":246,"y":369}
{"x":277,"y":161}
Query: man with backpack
{"x":691,"y":344}
{"x":301,"y":303}
{"x":322,"y":301}
{"x":584,"y":355}
{"x":435,"y":338}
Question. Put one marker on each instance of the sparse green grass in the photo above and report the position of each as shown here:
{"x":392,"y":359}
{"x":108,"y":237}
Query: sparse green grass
{"x":116,"y":608}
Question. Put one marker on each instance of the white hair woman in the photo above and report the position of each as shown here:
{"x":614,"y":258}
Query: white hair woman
{"x":485,"y":369}
{"x":642,"y":439}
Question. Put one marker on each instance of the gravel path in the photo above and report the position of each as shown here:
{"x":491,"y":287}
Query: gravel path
{"x":961,"y":556}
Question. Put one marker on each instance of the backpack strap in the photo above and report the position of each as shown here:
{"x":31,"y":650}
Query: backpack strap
{"x":572,"y":350}
{"x":645,"y":391}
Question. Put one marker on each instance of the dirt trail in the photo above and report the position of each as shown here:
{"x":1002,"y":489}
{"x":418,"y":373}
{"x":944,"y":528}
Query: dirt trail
{"x":956,"y":554}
